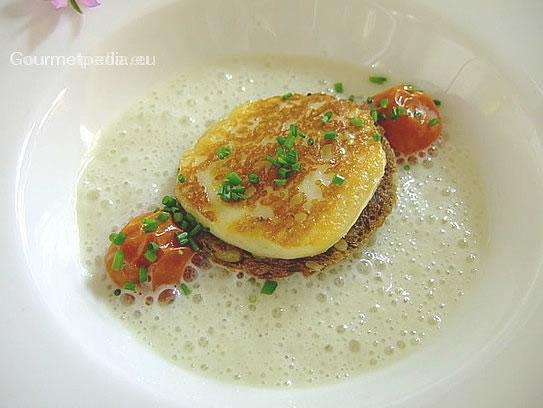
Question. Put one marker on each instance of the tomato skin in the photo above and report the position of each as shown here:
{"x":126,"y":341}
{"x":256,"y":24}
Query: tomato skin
{"x":172,"y":257}
{"x":415,"y":128}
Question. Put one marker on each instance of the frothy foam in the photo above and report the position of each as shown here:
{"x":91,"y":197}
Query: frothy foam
{"x":379,"y":305}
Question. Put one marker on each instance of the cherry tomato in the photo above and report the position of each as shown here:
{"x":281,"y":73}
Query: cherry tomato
{"x":171,"y":257}
{"x":412,"y":121}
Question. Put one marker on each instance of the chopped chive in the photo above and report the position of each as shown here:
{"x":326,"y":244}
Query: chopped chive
{"x":369,"y":99}
{"x":153,"y":246}
{"x":357,"y":122}
{"x":376,"y":136}
{"x":128,"y":285}
{"x":273,"y":161}
{"x":338,"y":179}
{"x":234,"y":178}
{"x":268,"y":287}
{"x":326,"y":117}
{"x":281,"y":140}
{"x":338,"y":87}
{"x":294,"y":130}
{"x":151,"y":256}
{"x":163,"y":217}
{"x":177,"y":217}
{"x":383,"y":103}
{"x":437,"y":102}
{"x":302,"y":135}
{"x":407,"y":167}
{"x":181,"y":178}
{"x":117,"y":239}
{"x":191,"y":219}
{"x":186,"y":290}
{"x":280,"y":182}
{"x":118,"y":259}
{"x":149,"y":224}
{"x":224,"y":152}
{"x":182,"y":238}
{"x":351,"y":98}
{"x":374,"y":115}
{"x":433,"y":122}
{"x":378,"y":79}
{"x":310,"y":141}
{"x":381,"y":116}
{"x":193,"y":245}
{"x":196,"y":230}
{"x":169,"y":201}
{"x":287,"y":95}
{"x":396,"y":112}
{"x":117,"y":292}
{"x":330,"y":135}
{"x":143,"y":274}
{"x":253,"y":178}
{"x":284,"y":172}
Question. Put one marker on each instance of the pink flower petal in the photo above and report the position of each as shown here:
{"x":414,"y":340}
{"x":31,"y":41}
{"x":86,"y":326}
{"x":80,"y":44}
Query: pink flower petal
{"x":59,"y":3}
{"x":88,"y":3}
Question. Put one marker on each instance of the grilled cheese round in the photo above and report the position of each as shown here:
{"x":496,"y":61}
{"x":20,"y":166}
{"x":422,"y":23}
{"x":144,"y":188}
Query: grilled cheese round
{"x":318,"y":161}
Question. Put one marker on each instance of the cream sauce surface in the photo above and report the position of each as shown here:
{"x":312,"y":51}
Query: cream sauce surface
{"x":384,"y":302}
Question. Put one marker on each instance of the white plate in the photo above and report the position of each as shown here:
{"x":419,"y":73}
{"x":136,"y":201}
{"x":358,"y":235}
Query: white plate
{"x":59,"y":349}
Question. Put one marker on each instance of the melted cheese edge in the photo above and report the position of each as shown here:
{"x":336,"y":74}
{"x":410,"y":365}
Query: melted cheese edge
{"x":310,"y":213}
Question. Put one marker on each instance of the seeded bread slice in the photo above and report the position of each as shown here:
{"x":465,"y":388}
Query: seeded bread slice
{"x":371,"y":218}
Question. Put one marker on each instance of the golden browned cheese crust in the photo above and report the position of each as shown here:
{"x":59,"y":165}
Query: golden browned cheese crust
{"x":310,"y":213}
{"x":371,"y":218}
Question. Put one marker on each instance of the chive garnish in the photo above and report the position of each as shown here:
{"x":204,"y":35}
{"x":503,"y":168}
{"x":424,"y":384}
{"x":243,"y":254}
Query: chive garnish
{"x":117,"y":292}
{"x":128,"y":285}
{"x":268,"y":287}
{"x":407,"y":167}
{"x":433,"y":122}
{"x":437,"y":102}
{"x":181,"y":178}
{"x":376,"y":136}
{"x":193,"y":245}
{"x":357,"y":122}
{"x":378,"y":79}
{"x":330,"y":135}
{"x":287,"y":95}
{"x":383,"y":103}
{"x":117,"y":239}
{"x":182,"y":238}
{"x":310,"y":141}
{"x":186,"y":290}
{"x":143,"y":274}
{"x":369,"y":99}
{"x":351,"y":98}
{"x":280,"y":182}
{"x":118,"y":259}
{"x":338,"y":87}
{"x":150,"y":256}
{"x":234,"y":178}
{"x":149,"y":224}
{"x":374,"y":115}
{"x":224,"y":152}
{"x":163,"y":217}
{"x":396,"y":112}
{"x":326,"y":117}
{"x":253,"y":178}
{"x":338,"y":179}
{"x":169,"y":201}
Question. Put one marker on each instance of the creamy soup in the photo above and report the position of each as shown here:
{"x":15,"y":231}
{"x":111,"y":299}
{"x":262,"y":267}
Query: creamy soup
{"x":386,"y":301}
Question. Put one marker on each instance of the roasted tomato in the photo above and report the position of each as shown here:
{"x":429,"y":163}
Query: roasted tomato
{"x":148,"y":250}
{"x":409,"y":116}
